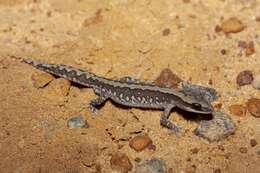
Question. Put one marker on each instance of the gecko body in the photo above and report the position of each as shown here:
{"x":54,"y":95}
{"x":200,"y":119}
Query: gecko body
{"x":129,"y":92}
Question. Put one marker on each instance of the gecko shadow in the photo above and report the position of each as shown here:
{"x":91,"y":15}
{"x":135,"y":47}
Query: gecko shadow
{"x":185,"y":114}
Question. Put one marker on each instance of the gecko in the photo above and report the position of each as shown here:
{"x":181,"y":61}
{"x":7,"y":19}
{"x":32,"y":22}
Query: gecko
{"x":129,"y":92}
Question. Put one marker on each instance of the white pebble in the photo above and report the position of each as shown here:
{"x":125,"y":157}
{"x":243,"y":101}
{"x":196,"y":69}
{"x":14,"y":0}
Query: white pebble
{"x":256,"y":82}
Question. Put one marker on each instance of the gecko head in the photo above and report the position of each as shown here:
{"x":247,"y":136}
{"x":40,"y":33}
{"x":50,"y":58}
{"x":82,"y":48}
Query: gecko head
{"x":195,"y":105}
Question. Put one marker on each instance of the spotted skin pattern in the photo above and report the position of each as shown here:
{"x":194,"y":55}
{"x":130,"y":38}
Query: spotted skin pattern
{"x":129,"y":92}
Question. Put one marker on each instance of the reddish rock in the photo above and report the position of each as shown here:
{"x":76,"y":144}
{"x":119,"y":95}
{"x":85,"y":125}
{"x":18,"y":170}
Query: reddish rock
{"x":120,"y":162}
{"x":139,"y":143}
{"x":232,"y":25}
{"x":253,"y":142}
{"x":253,"y":106}
{"x":194,"y":150}
{"x":168,"y":78}
{"x":250,"y":49}
{"x":238,"y":110}
{"x":245,"y":78}
{"x":217,"y":170}
{"x":166,"y":32}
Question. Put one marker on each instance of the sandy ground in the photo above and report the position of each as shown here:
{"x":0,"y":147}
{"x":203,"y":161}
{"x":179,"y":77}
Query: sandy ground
{"x":119,"y":38}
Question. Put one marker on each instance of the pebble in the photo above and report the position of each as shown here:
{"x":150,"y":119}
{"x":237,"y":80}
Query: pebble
{"x":217,"y":106}
{"x":191,"y":169}
{"x":257,"y":18}
{"x":154,"y":165}
{"x":243,"y":150}
{"x":232,"y":25}
{"x":250,"y":49}
{"x":238,"y":110}
{"x":40,"y":80}
{"x":59,"y":87}
{"x":166,"y":32}
{"x":170,"y":170}
{"x":77,"y":121}
{"x":217,"y":170}
{"x":256,"y":81}
{"x":253,"y":106}
{"x":140,"y":142}
{"x":245,"y":78}
{"x":120,"y":162}
{"x":220,"y":127}
{"x":194,"y":150}
{"x":168,"y":78}
{"x":253,"y":142}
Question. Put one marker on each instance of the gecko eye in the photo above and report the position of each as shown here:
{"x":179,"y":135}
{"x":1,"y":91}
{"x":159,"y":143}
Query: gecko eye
{"x":196,"y":105}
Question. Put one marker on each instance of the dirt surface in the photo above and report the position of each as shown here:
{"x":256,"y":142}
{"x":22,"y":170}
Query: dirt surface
{"x":119,"y":38}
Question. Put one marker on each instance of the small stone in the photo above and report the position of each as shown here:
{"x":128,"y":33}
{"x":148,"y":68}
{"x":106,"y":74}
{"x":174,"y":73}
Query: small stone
{"x":253,"y":106}
{"x":194,"y":150}
{"x":242,"y":44}
{"x":191,"y":169}
{"x":223,"y":51}
{"x":232,"y":25}
{"x":245,"y":78}
{"x":257,"y":18}
{"x":243,"y":150}
{"x":220,"y":127}
{"x":138,"y":159}
{"x":151,"y":147}
{"x":186,"y":1}
{"x":155,"y":165}
{"x":250,"y":49}
{"x":168,"y":78}
{"x":140,"y":142}
{"x":120,"y":162}
{"x":238,"y":110}
{"x":170,"y":170}
{"x":166,"y":32}
{"x":77,"y":121}
{"x":256,"y":81}
{"x":217,"y":170}
{"x":40,"y":80}
{"x":253,"y":142}
{"x":59,"y":87}
{"x":217,"y":106}
{"x":218,"y":28}
{"x":221,"y":147}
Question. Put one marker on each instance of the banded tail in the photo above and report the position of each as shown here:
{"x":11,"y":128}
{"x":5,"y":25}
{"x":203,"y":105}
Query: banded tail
{"x":73,"y":74}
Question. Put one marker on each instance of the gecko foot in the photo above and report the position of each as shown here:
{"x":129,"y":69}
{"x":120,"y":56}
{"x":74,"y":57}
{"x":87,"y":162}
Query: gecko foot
{"x":93,"y":110}
{"x":96,"y":103}
{"x":170,"y":125}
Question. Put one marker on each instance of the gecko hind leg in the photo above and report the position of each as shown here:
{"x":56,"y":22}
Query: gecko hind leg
{"x":164,"y":121}
{"x":94,"y":104}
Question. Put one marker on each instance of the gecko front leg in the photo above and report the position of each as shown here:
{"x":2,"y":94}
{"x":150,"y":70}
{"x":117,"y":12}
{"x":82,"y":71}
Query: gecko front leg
{"x":167,"y":123}
{"x":94,"y":104}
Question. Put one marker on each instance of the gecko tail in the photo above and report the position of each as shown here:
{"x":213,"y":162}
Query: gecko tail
{"x":31,"y":62}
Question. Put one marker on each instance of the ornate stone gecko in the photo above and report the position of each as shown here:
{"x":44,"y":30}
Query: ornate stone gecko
{"x":130,"y":92}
